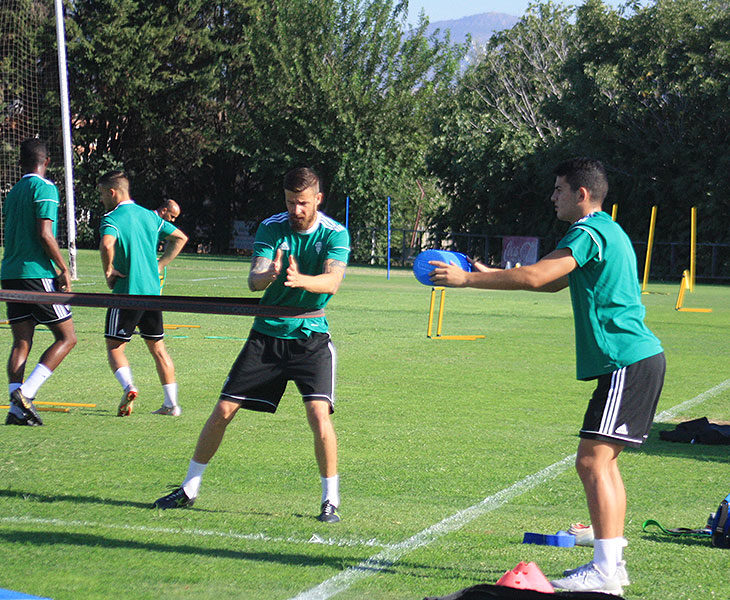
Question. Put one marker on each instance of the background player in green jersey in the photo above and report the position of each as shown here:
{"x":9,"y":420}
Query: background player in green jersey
{"x":299,"y":260}
{"x":30,"y":260}
{"x":613,"y":346}
{"x":129,"y":236}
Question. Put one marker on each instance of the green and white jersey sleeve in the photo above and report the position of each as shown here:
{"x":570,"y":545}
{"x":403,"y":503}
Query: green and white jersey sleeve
{"x":610,"y":332}
{"x":32,"y":198}
{"x":327,"y":239}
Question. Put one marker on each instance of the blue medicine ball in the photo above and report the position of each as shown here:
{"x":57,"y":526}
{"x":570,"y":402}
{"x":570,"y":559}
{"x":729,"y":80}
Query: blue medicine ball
{"x":421,"y":268}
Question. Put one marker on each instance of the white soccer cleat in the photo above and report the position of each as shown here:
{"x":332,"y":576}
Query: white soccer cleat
{"x":589,"y":578}
{"x":170,"y":411}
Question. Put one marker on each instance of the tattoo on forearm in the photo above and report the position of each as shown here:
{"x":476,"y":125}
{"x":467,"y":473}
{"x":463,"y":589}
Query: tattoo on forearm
{"x":334,"y":266}
{"x":260,"y":264}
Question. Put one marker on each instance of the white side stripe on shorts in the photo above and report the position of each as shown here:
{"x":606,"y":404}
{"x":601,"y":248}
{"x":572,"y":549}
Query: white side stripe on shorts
{"x":613,"y":402}
{"x":61,"y":310}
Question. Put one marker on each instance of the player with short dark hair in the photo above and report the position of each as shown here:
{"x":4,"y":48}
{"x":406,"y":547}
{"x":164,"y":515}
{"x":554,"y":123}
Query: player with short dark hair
{"x":129,"y":236}
{"x":299,"y":260}
{"x":613,"y":347}
{"x":30,"y":260}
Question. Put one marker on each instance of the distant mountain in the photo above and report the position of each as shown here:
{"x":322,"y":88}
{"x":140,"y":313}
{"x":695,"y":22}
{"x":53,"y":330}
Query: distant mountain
{"x":481,"y":27}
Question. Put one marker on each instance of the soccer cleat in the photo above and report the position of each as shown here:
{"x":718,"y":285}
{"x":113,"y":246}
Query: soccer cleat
{"x":127,"y":403}
{"x":172,"y":411}
{"x":25,"y":405}
{"x":175,"y":499}
{"x":12,"y":419}
{"x":329,"y":513}
{"x":621,"y":572}
{"x":589,"y":578}
{"x":583,"y":534}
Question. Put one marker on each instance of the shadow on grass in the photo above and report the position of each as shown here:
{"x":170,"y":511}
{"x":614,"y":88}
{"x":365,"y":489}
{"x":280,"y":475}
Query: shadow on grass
{"x":703,"y":452}
{"x":677,"y":539}
{"x":45,"y":538}
{"x":70,"y":498}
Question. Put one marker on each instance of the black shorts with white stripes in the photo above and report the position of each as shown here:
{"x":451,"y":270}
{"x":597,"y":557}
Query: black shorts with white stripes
{"x":46,"y":314}
{"x":121,"y":322}
{"x":259,"y":376}
{"x":623,"y":404}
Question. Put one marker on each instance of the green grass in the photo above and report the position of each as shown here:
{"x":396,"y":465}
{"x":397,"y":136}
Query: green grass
{"x":426,"y":428}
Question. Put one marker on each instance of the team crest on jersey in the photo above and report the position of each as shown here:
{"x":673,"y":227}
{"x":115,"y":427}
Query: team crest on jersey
{"x":284,"y":246}
{"x":318,"y":247}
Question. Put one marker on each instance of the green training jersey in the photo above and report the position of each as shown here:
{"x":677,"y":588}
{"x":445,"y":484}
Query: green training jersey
{"x":32,"y":198}
{"x":327,"y":239}
{"x":137,"y":231}
{"x":610,"y":332}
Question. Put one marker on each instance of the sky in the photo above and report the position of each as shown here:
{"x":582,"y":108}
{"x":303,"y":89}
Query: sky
{"x":442,"y":10}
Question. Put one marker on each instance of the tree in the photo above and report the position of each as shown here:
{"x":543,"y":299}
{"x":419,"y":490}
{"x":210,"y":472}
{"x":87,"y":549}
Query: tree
{"x":491,"y":139}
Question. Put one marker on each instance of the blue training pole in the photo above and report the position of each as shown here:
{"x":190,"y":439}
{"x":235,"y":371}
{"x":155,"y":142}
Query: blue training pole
{"x":388,"y":237}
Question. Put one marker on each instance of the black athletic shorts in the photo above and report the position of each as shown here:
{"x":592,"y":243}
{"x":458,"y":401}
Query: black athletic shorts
{"x":46,"y":314}
{"x":623,"y":404}
{"x":120,"y":324}
{"x":258,"y":378}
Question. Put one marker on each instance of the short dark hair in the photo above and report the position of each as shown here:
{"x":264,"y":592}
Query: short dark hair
{"x":114,"y":179}
{"x":585,"y":172}
{"x":33,"y":152}
{"x":300,"y":179}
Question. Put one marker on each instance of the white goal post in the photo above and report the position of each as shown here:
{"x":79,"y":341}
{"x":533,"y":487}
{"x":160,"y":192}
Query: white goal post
{"x":67,"y":150}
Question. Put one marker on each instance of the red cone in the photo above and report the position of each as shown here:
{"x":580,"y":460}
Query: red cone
{"x":526,"y":576}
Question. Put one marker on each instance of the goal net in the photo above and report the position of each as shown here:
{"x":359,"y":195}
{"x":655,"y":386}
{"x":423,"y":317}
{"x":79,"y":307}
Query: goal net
{"x":29,"y":95}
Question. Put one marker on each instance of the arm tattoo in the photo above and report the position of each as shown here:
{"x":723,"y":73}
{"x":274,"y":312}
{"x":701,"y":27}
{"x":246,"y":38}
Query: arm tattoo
{"x":260,"y":264}
{"x":334,"y":266}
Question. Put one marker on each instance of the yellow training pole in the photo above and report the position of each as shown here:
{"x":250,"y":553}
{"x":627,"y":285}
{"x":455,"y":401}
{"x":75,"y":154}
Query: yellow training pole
{"x":65,"y":404}
{"x":680,"y":295}
{"x":649,"y":247}
{"x":441,"y":311}
{"x":44,"y":409}
{"x":614,"y":211}
{"x":693,"y":250}
{"x":430,"y":312}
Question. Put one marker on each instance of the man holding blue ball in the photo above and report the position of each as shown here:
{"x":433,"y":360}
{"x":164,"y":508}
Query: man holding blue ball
{"x":613,"y":346}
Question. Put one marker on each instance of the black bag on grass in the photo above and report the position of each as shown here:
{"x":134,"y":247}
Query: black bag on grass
{"x":721,"y":525}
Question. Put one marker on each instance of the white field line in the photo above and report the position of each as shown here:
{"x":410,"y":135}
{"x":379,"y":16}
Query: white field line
{"x":213,"y":278}
{"x":670,"y":413}
{"x":258,"y":537}
{"x":376,"y":563}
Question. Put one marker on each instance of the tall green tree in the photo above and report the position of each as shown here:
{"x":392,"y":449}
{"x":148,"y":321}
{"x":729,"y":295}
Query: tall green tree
{"x":490,"y":141}
{"x":341,"y":84}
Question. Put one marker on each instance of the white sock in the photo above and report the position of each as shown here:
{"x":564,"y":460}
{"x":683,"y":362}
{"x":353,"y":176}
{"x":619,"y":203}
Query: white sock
{"x":191,"y":483}
{"x":170,"y":391}
{"x":331,"y":489}
{"x":14,"y":409}
{"x":606,"y":553}
{"x":124,"y":377}
{"x":37,"y":378}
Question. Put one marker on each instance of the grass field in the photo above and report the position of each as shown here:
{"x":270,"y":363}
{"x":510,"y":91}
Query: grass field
{"x":444,"y":447}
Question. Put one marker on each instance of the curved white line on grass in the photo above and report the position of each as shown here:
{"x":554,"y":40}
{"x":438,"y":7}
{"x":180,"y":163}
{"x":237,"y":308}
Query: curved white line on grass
{"x":674,"y":411}
{"x":386,"y":558}
{"x":257,"y":537}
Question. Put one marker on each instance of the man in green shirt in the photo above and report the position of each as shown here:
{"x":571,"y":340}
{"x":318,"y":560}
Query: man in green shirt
{"x":299,"y":260}
{"x":30,"y":260}
{"x":613,"y":346}
{"x":129,"y":236}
